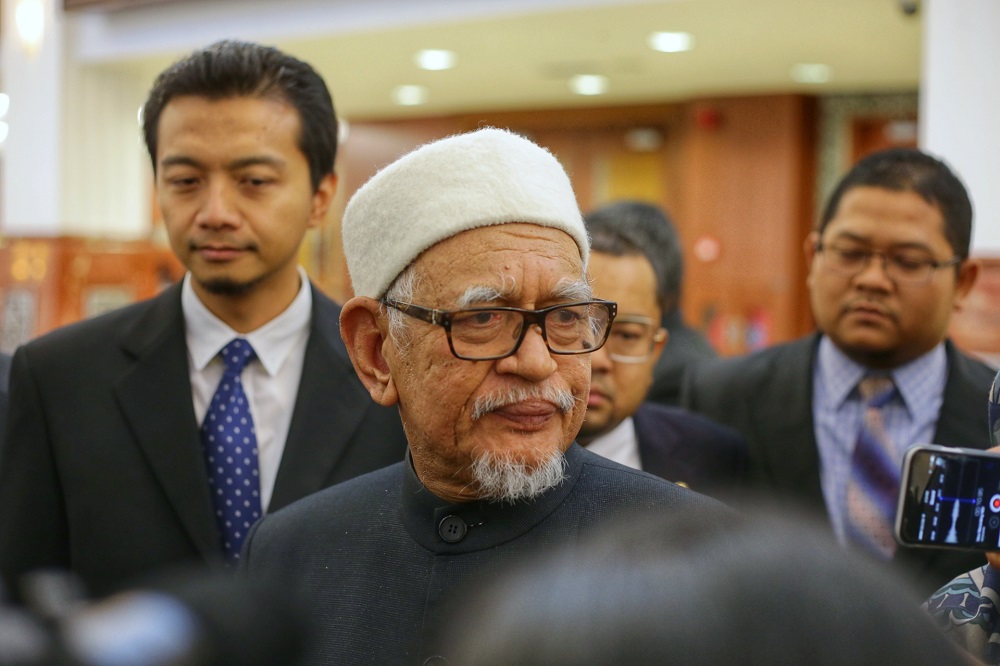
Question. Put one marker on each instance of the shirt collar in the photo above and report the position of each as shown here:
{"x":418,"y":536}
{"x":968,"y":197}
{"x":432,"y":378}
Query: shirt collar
{"x":913,"y":380}
{"x":620,"y":437}
{"x":273,"y":342}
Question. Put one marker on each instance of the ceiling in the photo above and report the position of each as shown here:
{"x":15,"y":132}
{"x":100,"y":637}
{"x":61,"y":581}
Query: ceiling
{"x":514,"y":54}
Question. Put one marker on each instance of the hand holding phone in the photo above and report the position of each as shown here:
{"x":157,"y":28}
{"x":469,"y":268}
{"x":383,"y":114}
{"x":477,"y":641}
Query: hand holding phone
{"x":949,"y":498}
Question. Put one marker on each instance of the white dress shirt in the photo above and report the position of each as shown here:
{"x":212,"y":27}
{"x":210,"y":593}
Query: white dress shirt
{"x":620,"y":445}
{"x":271,"y":382}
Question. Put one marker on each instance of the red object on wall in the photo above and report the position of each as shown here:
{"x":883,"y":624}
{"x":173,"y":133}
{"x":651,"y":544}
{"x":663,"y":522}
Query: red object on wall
{"x":707,"y":117}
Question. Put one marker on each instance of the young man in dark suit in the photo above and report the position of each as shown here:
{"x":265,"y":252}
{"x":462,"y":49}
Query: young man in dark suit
{"x":888,"y":263}
{"x":108,"y":472}
{"x":630,"y":264}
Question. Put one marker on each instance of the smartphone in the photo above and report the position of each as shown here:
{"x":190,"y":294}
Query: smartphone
{"x":949,"y":498}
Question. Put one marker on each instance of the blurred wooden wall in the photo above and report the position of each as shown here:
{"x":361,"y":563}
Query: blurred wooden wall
{"x":736,"y":174}
{"x":46,"y":283}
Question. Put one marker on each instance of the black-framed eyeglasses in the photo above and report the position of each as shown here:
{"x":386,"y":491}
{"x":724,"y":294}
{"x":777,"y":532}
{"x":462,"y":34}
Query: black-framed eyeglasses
{"x":911,"y":266}
{"x":632,"y":338}
{"x":485,"y":334}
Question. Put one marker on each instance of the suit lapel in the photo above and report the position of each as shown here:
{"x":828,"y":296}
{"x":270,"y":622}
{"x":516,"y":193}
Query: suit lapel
{"x":657,"y":440}
{"x":963,"y":418}
{"x":155,"y":397}
{"x":783,"y":421}
{"x":328,"y":409}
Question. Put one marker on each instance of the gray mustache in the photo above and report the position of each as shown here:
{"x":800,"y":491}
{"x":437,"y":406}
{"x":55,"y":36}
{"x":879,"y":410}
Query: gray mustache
{"x":561,"y":398}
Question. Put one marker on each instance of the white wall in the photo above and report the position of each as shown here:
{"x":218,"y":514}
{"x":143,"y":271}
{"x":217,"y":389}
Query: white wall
{"x":960,"y":104}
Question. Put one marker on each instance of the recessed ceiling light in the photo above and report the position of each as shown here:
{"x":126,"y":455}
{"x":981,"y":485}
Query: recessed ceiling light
{"x":435,"y":59}
{"x":589,"y":84}
{"x":811,"y":73}
{"x":671,"y":42}
{"x":409,"y":95}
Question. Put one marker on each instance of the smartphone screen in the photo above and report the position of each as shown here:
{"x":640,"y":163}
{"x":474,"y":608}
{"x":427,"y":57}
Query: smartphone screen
{"x":950,"y":498}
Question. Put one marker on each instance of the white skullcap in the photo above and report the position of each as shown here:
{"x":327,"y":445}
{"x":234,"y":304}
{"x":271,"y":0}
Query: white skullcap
{"x":490,"y":176}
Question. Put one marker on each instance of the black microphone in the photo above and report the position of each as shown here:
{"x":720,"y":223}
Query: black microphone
{"x":994,"y":411}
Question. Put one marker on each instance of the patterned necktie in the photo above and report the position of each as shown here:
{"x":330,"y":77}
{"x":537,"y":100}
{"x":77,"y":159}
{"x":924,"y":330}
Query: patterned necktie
{"x":873,"y":488}
{"x":230,"y":446}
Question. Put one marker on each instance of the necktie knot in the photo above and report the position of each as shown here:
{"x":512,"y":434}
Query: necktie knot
{"x":236,"y":354}
{"x":876,"y":390}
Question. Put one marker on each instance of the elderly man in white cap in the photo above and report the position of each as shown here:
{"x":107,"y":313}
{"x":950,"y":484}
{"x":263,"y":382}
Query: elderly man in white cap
{"x":472,"y":315}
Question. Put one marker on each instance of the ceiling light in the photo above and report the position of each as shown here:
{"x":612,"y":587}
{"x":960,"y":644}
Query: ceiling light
{"x":435,"y":59}
{"x":811,"y":73}
{"x":589,"y":84}
{"x":671,"y":42}
{"x":409,"y":95}
{"x":29,"y":18}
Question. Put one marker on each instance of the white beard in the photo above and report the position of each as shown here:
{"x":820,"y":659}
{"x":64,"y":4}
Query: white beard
{"x":500,"y":478}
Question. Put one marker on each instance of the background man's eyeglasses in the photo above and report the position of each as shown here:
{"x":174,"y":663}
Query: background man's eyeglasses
{"x":914,"y":267}
{"x":483,"y":334}
{"x":632,"y":339}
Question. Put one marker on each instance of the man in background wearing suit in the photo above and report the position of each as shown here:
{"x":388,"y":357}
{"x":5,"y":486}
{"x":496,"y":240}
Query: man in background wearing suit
{"x":685,"y":346}
{"x":107,"y":472}
{"x":888,"y":263}
{"x":630,"y":264}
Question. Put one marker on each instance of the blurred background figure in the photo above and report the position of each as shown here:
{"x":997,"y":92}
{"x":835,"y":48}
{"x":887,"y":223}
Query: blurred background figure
{"x":757,"y":588}
{"x":185,"y":617}
{"x":628,"y":265}
{"x":685,"y":346}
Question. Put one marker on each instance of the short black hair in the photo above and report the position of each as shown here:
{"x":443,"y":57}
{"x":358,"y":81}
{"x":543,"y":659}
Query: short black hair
{"x":243,"y":69}
{"x":639,"y":228}
{"x":910,"y":170}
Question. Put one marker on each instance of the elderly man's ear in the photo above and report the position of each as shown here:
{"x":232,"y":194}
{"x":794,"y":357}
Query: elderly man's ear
{"x":366,"y":334}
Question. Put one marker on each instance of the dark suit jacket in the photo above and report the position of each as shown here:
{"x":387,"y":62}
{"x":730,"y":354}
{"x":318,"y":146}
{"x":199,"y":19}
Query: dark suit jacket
{"x":688,"y":448}
{"x":5,"y":360}
{"x":104,"y":472}
{"x":768,"y":397}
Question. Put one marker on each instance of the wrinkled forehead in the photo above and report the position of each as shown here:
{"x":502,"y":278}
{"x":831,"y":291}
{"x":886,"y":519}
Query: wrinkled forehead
{"x":510,"y":263}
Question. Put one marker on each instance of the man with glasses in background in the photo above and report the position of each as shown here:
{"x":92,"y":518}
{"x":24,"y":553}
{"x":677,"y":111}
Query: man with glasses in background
{"x":829,"y":417}
{"x":629,"y":264}
{"x":473,"y":316}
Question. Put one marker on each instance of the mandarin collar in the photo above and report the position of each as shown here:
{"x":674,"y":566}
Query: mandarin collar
{"x":453,"y":528}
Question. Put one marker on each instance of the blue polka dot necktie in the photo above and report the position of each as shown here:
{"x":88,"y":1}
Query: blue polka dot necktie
{"x":230,"y":445}
{"x":873,"y":489}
